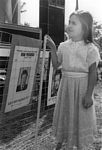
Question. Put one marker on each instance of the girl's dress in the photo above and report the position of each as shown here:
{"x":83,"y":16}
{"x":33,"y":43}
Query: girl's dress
{"x":71,"y":121}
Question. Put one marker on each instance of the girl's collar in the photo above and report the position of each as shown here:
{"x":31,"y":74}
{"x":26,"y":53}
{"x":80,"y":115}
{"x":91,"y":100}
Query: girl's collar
{"x":77,"y":42}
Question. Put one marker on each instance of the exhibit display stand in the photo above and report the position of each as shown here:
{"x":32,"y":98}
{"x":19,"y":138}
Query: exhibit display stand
{"x":20,"y":49}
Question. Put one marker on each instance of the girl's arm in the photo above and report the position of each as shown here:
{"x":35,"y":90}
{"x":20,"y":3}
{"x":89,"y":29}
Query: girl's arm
{"x":92,"y":78}
{"x":54,"y":56}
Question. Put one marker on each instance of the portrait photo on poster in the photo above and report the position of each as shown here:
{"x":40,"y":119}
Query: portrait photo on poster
{"x":23,"y":79}
{"x":53,"y":85}
{"x":56,"y":77}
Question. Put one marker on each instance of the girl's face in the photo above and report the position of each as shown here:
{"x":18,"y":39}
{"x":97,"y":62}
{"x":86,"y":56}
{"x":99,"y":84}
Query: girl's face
{"x":75,"y":30}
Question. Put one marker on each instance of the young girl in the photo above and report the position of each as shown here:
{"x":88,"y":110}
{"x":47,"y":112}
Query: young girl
{"x":74,"y":115}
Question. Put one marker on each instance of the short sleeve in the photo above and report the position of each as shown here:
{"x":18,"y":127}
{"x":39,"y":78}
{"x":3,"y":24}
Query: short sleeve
{"x":93,"y":55}
{"x":59,"y":54}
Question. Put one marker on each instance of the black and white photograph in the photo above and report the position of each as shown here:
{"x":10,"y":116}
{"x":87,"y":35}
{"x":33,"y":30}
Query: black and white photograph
{"x":51,"y":74}
{"x":23,"y":79}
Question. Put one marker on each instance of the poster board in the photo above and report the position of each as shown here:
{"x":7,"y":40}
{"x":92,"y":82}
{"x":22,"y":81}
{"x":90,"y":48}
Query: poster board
{"x":22,"y":77}
{"x":45,"y":77}
{"x":24,"y":55}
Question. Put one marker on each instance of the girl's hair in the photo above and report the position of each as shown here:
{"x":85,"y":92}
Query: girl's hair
{"x":86,"y":20}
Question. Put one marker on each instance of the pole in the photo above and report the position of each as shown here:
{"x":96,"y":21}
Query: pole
{"x":77,"y":5}
{"x":40,"y":92}
{"x":15,"y":9}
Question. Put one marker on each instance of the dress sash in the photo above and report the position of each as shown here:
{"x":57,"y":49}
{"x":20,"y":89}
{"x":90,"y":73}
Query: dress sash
{"x":74,"y":74}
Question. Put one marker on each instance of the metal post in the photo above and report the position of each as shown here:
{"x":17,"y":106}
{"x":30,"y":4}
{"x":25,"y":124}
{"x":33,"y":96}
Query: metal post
{"x":77,"y":5}
{"x":40,"y":91}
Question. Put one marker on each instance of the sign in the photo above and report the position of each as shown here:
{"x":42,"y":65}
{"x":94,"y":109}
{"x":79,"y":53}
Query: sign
{"x":22,"y":77}
{"x":38,"y":76}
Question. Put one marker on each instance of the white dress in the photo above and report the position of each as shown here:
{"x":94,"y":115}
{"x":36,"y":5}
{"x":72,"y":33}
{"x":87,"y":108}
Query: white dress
{"x":71,"y":121}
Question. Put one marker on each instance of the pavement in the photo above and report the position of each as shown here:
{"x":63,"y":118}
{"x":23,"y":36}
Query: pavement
{"x":25,"y":139}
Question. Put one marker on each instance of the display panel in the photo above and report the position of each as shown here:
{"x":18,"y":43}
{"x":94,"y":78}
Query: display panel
{"x":22,"y":77}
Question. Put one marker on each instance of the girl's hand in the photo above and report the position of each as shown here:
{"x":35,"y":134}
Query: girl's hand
{"x":87,"y":101}
{"x":50,"y":43}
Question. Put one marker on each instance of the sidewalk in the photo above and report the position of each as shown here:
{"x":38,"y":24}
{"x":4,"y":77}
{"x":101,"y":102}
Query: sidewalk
{"x":26,"y":139}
